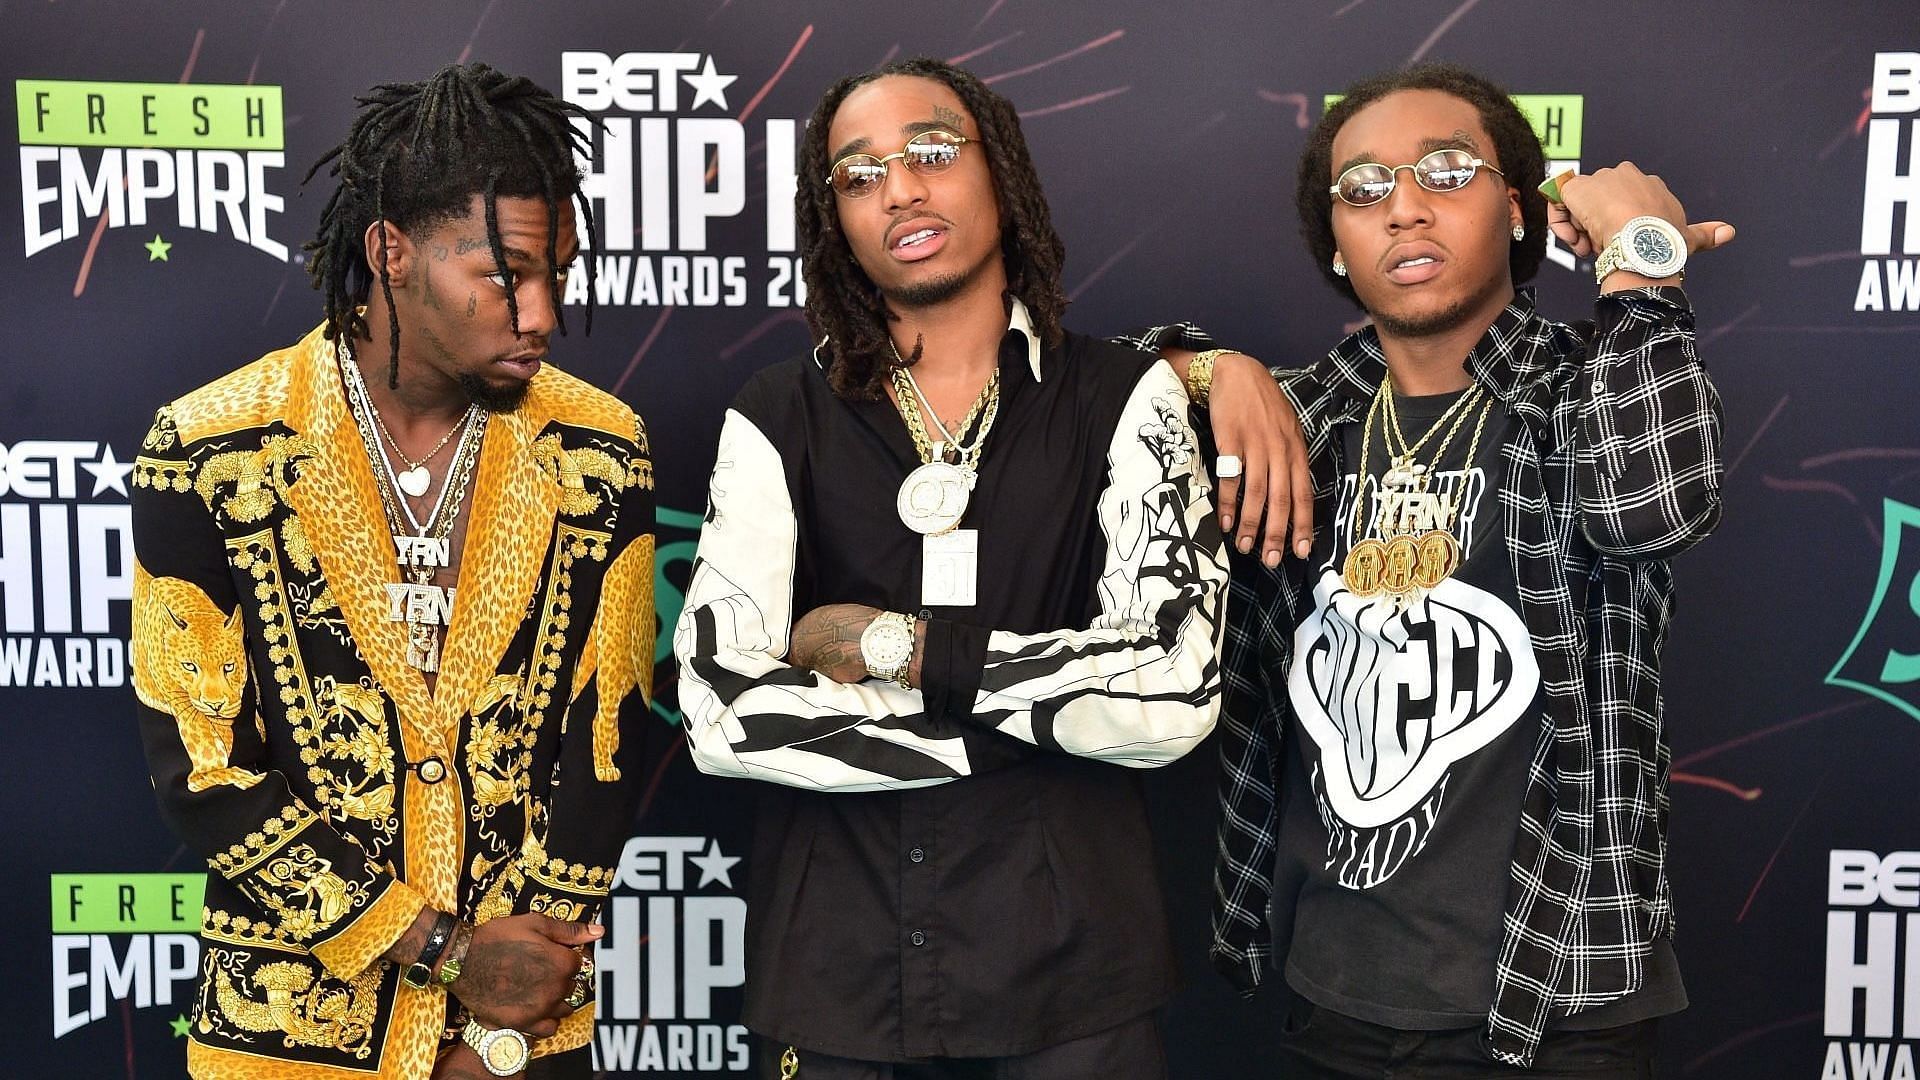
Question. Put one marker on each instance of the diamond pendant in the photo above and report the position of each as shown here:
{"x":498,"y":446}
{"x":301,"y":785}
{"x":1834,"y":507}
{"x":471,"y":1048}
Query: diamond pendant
{"x":415,"y":481}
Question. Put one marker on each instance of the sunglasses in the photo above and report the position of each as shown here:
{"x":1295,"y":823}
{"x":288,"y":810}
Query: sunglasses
{"x":1442,"y":171}
{"x":929,"y":153}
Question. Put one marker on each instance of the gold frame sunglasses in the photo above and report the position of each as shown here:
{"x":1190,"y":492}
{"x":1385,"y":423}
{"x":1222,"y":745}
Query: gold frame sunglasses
{"x":929,"y":153}
{"x":1441,"y":171}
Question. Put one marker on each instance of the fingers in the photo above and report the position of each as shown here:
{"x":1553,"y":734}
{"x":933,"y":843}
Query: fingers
{"x":1707,"y":235}
{"x":1227,"y":501}
{"x":1302,"y":505}
{"x":1253,"y":498}
{"x":570,"y":934}
{"x":1280,"y":503}
{"x":1563,"y":226}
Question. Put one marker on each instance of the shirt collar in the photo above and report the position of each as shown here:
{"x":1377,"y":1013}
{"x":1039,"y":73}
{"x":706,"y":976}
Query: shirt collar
{"x":1018,"y":322}
{"x":1353,"y":370}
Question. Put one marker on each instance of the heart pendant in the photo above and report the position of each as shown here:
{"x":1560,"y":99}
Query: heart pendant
{"x":415,"y":480}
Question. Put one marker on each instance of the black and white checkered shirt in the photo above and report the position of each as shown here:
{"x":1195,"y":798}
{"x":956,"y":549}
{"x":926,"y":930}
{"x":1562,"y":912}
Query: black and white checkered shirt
{"x":1613,"y":469}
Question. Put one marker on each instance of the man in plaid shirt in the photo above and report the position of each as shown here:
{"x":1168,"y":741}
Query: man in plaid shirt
{"x":1445,"y":771}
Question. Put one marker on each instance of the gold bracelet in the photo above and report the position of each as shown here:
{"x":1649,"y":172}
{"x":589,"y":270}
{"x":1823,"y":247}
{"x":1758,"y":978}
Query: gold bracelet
{"x":1200,"y":375}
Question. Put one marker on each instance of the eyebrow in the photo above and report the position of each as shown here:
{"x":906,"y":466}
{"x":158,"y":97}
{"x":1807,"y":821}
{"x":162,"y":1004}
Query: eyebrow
{"x":1459,"y":140}
{"x":513,"y":253}
{"x":853,"y":147}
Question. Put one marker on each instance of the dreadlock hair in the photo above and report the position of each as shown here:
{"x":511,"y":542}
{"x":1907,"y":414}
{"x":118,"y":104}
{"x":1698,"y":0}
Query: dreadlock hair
{"x":843,"y":304}
{"x":1514,"y":143}
{"x":415,"y":157}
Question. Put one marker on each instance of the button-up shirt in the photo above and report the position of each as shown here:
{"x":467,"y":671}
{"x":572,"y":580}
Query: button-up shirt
{"x":962,"y":869}
{"x":1613,"y":467}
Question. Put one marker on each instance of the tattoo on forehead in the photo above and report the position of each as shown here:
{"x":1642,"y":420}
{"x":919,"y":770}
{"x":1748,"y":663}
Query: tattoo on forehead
{"x":947,"y":116}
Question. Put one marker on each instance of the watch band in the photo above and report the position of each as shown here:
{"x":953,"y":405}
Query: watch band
{"x":889,"y":623}
{"x":419,"y":974}
{"x":503,"y":1051}
{"x":456,"y":954}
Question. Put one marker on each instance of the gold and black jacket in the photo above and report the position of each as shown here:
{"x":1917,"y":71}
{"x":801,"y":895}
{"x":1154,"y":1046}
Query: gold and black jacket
{"x":332,"y":793}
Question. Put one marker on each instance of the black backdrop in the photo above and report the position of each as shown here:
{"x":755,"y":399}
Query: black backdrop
{"x":1167,"y":137}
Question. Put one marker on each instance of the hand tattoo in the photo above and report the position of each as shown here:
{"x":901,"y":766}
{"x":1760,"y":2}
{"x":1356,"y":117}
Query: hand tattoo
{"x":507,"y":973}
{"x":827,"y":639}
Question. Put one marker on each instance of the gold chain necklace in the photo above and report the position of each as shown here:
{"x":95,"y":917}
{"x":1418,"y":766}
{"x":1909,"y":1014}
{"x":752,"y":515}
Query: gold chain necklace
{"x":933,"y":498}
{"x":1417,"y":548}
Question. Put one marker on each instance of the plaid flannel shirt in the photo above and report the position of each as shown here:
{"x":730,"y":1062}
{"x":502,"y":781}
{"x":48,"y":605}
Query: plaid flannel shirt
{"x":1614,"y":468}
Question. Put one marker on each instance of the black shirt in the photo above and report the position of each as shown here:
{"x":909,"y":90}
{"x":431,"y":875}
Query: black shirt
{"x":1419,"y":722}
{"x":893,"y":913}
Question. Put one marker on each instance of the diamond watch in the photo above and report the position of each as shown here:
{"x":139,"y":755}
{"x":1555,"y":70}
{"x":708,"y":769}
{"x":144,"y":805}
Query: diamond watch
{"x":1648,"y":246}
{"x":887,"y":647}
{"x":502,"y":1050}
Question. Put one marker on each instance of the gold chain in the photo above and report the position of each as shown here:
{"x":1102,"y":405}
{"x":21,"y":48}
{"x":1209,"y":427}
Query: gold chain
{"x":1390,"y":427}
{"x":1468,"y":399}
{"x":985,"y":408}
{"x":459,"y":474}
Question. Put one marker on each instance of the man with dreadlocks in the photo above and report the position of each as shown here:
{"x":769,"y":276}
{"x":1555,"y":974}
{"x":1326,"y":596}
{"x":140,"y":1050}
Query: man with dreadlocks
{"x":393,"y":622}
{"x":960,"y":575}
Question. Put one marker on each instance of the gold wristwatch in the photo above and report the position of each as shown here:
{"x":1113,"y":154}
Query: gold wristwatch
{"x":887,"y":647}
{"x":503,"y":1051}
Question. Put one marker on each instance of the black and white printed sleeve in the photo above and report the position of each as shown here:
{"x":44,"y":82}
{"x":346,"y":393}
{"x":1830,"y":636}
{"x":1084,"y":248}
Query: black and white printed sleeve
{"x":1141,"y":685}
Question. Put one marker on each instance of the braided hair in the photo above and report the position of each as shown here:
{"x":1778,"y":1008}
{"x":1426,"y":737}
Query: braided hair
{"x":415,"y":157}
{"x":843,"y":304}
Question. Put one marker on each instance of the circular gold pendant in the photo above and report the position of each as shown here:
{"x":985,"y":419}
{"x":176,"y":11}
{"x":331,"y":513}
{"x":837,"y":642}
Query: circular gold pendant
{"x":933,"y":498}
{"x":1401,"y":555}
{"x":1363,"y":566}
{"x":1437,"y":557}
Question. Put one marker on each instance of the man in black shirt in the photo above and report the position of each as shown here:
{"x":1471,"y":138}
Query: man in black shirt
{"x":1444,"y":757}
{"x":957,"y":543}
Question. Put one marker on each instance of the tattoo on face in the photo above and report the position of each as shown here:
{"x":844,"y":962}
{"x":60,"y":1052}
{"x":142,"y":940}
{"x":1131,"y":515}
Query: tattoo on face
{"x":944,"y":115}
{"x":426,"y":284}
{"x":439,"y":253}
{"x":473,"y":299}
{"x":470,"y":243}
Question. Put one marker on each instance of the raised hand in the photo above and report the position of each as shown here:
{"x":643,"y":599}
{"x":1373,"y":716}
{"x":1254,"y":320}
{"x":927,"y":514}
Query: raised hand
{"x":1597,"y":205}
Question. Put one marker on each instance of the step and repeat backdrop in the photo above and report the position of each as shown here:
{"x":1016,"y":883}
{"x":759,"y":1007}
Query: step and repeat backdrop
{"x":151,"y":239}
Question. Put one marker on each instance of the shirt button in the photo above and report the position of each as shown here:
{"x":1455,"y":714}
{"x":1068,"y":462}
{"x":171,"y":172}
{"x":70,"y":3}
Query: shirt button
{"x":432,"y":771}
{"x":1599,"y":387}
{"x":917,"y":855}
{"x":918,"y":937}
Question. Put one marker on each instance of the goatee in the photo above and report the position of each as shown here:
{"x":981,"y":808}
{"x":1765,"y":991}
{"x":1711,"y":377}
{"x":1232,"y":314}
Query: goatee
{"x":491,"y":397}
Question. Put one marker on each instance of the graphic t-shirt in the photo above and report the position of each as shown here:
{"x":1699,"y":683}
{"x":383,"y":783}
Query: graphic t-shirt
{"x":1417,"y":707}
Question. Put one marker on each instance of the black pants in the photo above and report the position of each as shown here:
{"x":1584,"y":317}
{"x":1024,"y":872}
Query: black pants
{"x":1132,"y":1051}
{"x":1321,"y":1044}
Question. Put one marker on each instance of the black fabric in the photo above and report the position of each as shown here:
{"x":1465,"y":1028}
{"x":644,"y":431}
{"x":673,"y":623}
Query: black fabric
{"x":1015,"y":910}
{"x":1131,"y":1051}
{"x":1317,"y":1043}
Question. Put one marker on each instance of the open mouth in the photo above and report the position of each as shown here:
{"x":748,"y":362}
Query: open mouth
{"x":1414,"y":267}
{"x":917,"y":240}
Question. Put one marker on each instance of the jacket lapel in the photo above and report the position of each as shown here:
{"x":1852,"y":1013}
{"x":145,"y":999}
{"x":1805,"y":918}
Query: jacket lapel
{"x":337,"y":501}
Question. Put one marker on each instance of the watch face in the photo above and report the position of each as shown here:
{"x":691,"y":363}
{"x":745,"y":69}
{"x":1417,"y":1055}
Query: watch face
{"x":505,"y":1055}
{"x":889,"y":645}
{"x":1652,"y":247}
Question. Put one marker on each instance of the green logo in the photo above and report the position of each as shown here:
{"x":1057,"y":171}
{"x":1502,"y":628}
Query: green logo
{"x":180,"y":116}
{"x":1884,"y":659}
{"x":668,"y":599}
{"x":1556,"y":118}
{"x":127,"y":903}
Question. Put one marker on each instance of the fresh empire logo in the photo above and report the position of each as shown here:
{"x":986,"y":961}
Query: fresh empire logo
{"x":143,"y":154}
{"x":670,"y":170}
{"x":1893,"y":179}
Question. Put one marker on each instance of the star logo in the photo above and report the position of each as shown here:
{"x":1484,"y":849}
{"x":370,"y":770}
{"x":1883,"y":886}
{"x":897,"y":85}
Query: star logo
{"x":709,"y":86}
{"x":714,"y":866}
{"x":108,"y":472}
{"x":157,"y":250}
{"x":179,"y":1025}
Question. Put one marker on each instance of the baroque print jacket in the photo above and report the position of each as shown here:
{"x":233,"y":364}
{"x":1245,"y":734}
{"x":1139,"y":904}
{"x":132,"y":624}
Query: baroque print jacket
{"x":331,"y":792}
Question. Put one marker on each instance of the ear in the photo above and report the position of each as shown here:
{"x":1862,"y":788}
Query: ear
{"x":233,"y":621}
{"x":400,"y":251}
{"x":177,"y":620}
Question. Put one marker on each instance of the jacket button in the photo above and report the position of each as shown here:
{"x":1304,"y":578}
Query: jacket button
{"x":918,"y":938}
{"x":918,"y":855}
{"x":432,"y":771}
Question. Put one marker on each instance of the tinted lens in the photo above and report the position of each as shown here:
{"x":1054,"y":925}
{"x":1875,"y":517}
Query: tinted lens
{"x":932,"y":152}
{"x":857,"y":175}
{"x":1445,"y":170}
{"x":1364,"y":185}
